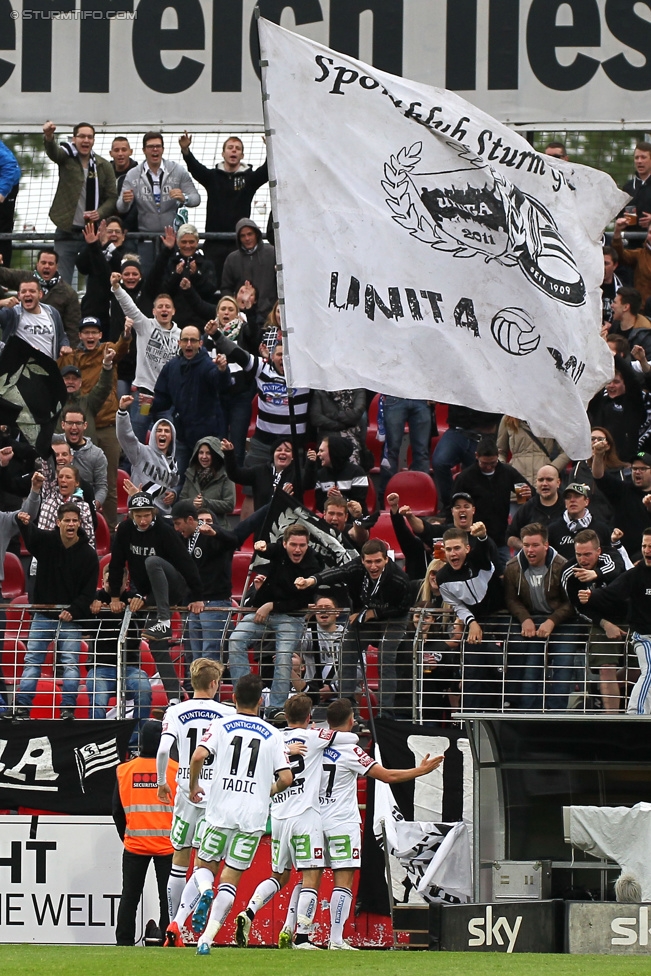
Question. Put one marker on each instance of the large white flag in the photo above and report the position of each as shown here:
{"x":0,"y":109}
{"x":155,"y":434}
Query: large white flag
{"x":426,"y":250}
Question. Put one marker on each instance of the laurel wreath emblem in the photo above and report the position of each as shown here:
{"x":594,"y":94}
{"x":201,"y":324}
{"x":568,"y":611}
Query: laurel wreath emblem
{"x":404,"y":201}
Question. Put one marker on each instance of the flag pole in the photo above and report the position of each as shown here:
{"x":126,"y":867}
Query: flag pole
{"x":273,"y":184}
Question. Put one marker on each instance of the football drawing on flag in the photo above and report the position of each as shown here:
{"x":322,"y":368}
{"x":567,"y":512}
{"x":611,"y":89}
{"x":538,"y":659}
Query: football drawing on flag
{"x":426,"y":250}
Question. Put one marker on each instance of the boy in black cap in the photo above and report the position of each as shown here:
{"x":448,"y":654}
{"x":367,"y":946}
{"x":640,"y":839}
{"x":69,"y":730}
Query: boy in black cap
{"x":577,"y":516}
{"x":160,"y":567}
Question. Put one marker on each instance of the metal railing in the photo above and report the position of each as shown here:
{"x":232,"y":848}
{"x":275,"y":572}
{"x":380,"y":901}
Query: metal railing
{"x":424,"y":671}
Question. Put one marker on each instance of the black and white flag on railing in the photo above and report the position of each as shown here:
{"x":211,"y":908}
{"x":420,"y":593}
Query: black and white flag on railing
{"x":427,"y":250}
{"x":429,"y":859}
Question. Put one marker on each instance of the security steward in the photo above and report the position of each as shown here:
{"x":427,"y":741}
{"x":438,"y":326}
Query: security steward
{"x":144,"y":825}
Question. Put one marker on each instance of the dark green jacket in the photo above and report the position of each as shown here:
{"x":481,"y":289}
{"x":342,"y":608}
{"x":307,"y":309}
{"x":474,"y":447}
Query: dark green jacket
{"x":71,"y":180}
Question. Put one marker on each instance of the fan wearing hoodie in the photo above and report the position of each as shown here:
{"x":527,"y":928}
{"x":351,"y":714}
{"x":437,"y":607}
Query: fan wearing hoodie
{"x":66,"y":576}
{"x":534,"y":594}
{"x":253,"y":261}
{"x":153,"y":465}
{"x":337,"y":475}
{"x":157,"y":341}
{"x":206,"y":483}
{"x":190,"y":385}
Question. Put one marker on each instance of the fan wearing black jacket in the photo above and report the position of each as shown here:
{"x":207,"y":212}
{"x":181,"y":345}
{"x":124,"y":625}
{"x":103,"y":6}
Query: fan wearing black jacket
{"x":275,"y":608}
{"x":160,"y":566}
{"x":380,"y":597}
{"x":211,"y":548}
{"x":592,"y":569}
{"x":66,"y":575}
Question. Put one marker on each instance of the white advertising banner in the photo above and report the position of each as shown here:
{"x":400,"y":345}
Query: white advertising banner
{"x":60,"y":881}
{"x":426,"y":250}
{"x":137,"y":64}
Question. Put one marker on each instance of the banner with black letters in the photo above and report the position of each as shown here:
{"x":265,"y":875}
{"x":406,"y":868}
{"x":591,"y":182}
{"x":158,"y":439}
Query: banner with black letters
{"x":61,"y":767}
{"x":442,"y":255}
{"x":136,"y":65}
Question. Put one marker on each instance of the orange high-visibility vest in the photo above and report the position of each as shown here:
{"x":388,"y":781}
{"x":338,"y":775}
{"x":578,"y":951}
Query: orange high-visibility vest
{"x":148,"y":820}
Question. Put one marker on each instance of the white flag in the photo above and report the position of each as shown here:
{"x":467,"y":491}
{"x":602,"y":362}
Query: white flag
{"x":426,"y":250}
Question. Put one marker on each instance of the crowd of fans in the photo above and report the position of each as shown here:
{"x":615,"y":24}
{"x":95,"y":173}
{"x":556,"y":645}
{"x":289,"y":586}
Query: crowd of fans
{"x":167,"y":356}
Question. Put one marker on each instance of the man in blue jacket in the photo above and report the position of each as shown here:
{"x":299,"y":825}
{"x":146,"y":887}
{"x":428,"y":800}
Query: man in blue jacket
{"x":190,"y":384}
{"x":9,"y":179}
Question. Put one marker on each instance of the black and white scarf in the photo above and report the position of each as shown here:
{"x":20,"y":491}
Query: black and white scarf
{"x":92,"y":182}
{"x":574,"y":525}
{"x":47,"y":285}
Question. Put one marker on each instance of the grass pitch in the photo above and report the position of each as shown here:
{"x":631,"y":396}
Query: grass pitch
{"x":32,"y":960}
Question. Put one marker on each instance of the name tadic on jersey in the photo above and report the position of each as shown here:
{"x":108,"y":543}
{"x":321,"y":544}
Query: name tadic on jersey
{"x":187,"y":723}
{"x":338,"y":791}
{"x":303,"y":794}
{"x":248,"y":754}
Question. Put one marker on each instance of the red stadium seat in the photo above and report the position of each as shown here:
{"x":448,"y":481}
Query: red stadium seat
{"x":383,"y":529}
{"x":102,"y":536}
{"x":14,"y":582}
{"x":104,"y":561}
{"x":375,"y":447}
{"x":239,"y":572}
{"x":416,"y":489}
{"x":239,"y":498}
{"x":371,"y":497}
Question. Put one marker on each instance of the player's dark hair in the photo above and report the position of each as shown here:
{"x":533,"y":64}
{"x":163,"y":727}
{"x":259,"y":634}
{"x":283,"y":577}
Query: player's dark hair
{"x":339,"y":711}
{"x":298,"y":708}
{"x":248,"y":691}
{"x":203,"y":671}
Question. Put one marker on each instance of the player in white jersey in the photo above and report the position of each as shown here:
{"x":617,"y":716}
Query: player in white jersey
{"x":296,"y":832}
{"x":185,"y":725}
{"x":342,"y":764}
{"x":250,"y":766}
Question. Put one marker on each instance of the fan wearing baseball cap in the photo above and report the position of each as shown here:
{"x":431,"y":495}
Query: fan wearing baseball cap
{"x":87,"y":403}
{"x":577,"y":516}
{"x":161,"y":570}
